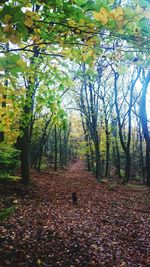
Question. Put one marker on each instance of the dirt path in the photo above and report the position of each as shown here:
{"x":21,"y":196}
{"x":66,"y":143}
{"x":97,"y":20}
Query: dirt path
{"x":109,"y":226}
{"x":78,"y":166}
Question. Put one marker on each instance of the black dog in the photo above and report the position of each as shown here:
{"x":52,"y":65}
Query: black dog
{"x":74,"y":198}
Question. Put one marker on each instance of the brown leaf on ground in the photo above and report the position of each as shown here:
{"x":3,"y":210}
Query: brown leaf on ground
{"x":106,"y":227}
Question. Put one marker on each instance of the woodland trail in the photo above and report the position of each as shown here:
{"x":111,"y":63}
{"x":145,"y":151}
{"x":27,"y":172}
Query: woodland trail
{"x":109,"y":226}
{"x":77,"y":166}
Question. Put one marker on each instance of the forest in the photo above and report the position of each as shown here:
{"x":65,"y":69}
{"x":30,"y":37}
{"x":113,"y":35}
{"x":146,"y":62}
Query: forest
{"x":74,"y":133}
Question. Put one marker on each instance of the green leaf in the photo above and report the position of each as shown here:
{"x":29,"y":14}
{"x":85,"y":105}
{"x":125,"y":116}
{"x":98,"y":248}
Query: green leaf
{"x":59,"y":3}
{"x":145,"y":27}
{"x":9,"y":63}
{"x":129,"y":12}
{"x":81,"y":2}
{"x":5,"y":11}
{"x":98,"y":4}
{"x":61,"y":87}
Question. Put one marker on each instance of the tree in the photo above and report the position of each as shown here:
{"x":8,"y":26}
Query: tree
{"x":144,"y":122}
{"x":125,"y":142}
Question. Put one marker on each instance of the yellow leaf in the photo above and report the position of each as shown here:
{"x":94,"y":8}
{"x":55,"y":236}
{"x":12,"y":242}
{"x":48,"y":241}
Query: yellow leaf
{"x":111,"y":2}
{"x":120,"y":31}
{"x":1,"y":68}
{"x":35,"y":38}
{"x":1,"y":88}
{"x":8,"y":28}
{"x":21,"y":63}
{"x":7,"y":19}
{"x":29,"y":13}
{"x":90,"y":53}
{"x":42,"y":45}
{"x":36,"y":16}
{"x":102,"y":16}
{"x":33,"y":15}
{"x":32,"y":80}
{"x":3,"y":39}
{"x":89,"y":42}
{"x":15,"y":38}
{"x":117,"y":14}
{"x":28,"y":22}
{"x":71,"y":23}
{"x":37,"y":31}
{"x":120,"y":25}
{"x":82,"y":21}
{"x":66,"y":51}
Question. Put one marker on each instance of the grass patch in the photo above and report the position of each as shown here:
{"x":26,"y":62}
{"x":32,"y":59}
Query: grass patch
{"x":7,"y":177}
{"x":135,"y":186}
{"x":6,"y":213}
{"x":113,"y":186}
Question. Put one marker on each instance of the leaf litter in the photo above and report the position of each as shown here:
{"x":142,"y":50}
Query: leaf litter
{"x":107,"y":228}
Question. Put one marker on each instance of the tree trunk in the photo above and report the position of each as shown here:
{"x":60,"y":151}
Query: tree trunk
{"x":118,"y":164}
{"x":143,"y":118}
{"x":141,"y":154}
{"x":24,"y":156}
{"x":107,"y":151}
{"x":40,"y":158}
{"x":147,"y":164}
{"x":56,"y":154}
{"x":97,"y":160}
{"x":2,"y":137}
{"x":127,"y":168}
{"x":88,"y":154}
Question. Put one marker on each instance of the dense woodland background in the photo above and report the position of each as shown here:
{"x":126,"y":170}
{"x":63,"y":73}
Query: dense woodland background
{"x":74,"y":81}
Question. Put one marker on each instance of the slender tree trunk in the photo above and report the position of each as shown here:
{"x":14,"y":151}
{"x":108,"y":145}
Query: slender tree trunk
{"x":86,"y":137}
{"x":127,"y":167}
{"x":24,"y":156}
{"x":116,"y":151}
{"x":147,"y":164}
{"x":97,"y":160}
{"x":40,"y":158}
{"x":3,"y":106}
{"x":56,"y":154}
{"x":141,"y":154}
{"x":91,"y":156}
{"x":2,"y":137}
{"x":143,"y":118}
{"x":60,"y":149}
{"x":88,"y":154}
{"x":107,"y":150}
{"x":118,"y":164}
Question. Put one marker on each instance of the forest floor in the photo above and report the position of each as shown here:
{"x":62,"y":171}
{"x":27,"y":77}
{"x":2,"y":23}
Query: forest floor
{"x":109,"y":227}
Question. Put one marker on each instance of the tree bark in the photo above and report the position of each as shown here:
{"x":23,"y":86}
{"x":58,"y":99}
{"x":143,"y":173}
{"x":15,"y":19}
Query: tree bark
{"x":56,"y":152}
{"x":24,"y":156}
{"x":144,"y":123}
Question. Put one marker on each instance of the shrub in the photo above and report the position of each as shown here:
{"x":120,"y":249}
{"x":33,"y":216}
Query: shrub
{"x":9,"y":159}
